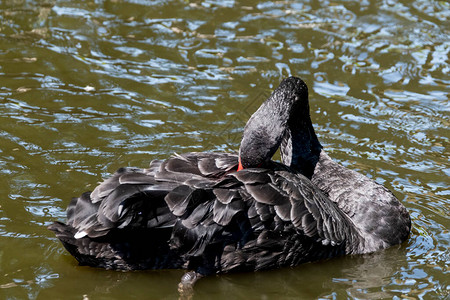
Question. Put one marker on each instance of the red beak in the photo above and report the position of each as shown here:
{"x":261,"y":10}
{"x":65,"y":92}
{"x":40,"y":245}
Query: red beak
{"x":240,"y":167}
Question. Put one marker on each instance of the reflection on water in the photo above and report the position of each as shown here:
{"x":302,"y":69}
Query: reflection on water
{"x":90,"y":86}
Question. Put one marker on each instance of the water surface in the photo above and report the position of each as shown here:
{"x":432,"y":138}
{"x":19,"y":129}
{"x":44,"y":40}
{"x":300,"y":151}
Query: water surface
{"x":90,"y":86}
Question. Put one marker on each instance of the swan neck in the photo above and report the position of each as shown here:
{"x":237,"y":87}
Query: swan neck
{"x":300,"y":147}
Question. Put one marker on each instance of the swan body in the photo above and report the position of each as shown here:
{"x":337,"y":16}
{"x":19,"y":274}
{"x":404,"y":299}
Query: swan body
{"x":219,"y":212}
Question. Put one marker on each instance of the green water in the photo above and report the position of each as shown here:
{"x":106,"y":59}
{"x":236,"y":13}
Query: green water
{"x":89,"y":86}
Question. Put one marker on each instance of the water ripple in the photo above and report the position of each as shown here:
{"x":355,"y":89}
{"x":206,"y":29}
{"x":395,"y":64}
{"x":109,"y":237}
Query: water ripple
{"x":88,"y":87}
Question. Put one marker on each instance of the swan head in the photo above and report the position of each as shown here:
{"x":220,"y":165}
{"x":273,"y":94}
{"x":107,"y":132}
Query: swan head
{"x":264,"y":130}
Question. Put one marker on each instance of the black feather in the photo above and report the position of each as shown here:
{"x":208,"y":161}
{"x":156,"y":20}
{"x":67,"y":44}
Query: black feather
{"x":196,"y":211}
{"x":223,"y":213}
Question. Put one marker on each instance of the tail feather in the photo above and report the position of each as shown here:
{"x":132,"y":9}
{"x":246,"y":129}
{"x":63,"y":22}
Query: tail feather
{"x":137,"y":250}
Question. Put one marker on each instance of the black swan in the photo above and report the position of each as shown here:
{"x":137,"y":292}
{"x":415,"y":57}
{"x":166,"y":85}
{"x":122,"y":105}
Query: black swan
{"x":217,"y":212}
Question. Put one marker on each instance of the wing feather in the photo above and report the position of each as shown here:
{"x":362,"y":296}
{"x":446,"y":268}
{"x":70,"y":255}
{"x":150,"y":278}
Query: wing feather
{"x":263,"y":216}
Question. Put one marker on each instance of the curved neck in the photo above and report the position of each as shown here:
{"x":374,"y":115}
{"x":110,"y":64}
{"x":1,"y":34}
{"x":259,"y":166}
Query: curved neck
{"x":266,"y":129}
{"x":300,"y":148}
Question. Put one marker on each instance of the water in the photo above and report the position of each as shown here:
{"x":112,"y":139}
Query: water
{"x":90,"y":86}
